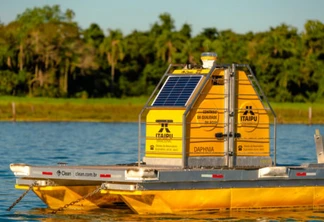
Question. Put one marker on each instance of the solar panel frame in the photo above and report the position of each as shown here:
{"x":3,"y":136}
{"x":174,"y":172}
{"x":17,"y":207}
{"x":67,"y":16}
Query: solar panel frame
{"x":177,"y":91}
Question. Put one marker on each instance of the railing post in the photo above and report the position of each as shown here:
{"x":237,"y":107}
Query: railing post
{"x":232,"y":115}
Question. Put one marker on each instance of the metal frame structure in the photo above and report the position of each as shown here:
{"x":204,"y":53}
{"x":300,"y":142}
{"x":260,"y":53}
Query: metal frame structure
{"x":230,"y":81}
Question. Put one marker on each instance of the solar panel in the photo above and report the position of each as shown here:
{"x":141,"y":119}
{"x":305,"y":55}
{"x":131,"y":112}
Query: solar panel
{"x":176,"y":91}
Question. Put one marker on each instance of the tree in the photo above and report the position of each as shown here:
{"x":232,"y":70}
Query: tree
{"x":48,"y":30}
{"x":113,"y":48}
{"x":313,"y":54}
{"x":140,"y":52}
{"x":274,"y":55}
{"x":44,"y":53}
{"x":94,"y":35}
{"x":6,"y":48}
{"x":165,"y":37}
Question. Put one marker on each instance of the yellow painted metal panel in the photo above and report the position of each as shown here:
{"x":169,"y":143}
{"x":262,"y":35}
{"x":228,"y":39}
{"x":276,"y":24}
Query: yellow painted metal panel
{"x":319,"y":196}
{"x":177,"y":200}
{"x":58,"y":196}
{"x":207,"y":118}
{"x":172,"y":201}
{"x":252,"y":121}
{"x":191,"y":71}
{"x":272,"y":197}
{"x":164,"y":133}
{"x":21,"y":187}
{"x":146,"y":204}
{"x":224,"y":199}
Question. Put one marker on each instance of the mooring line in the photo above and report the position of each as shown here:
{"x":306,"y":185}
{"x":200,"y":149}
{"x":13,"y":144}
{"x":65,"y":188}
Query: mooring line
{"x":22,"y":196}
{"x":78,"y":200}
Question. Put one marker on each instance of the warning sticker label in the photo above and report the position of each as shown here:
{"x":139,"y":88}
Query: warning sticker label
{"x":164,"y":138}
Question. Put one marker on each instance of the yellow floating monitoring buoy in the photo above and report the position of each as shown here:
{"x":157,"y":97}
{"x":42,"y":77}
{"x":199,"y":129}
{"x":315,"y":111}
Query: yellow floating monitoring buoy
{"x":208,"y":117}
{"x":207,"y":137}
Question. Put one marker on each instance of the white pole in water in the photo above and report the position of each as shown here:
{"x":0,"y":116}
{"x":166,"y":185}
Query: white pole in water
{"x":13,"y":104}
{"x":310,"y":115}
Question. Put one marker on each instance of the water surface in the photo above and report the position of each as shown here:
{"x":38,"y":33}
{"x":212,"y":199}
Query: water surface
{"x":112,"y":143}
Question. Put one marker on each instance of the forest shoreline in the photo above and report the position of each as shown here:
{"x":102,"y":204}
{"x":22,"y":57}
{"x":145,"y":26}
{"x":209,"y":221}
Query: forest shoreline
{"x":124,"y":110}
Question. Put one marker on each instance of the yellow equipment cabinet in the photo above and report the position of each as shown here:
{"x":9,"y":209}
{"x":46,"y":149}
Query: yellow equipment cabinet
{"x":207,"y":117}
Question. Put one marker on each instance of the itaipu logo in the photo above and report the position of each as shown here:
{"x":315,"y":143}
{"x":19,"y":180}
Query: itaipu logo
{"x":164,"y":132}
{"x":249,"y":115}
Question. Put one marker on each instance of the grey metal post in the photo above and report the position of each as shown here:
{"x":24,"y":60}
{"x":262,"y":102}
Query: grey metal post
{"x":139,"y":139}
{"x":184,"y":140}
{"x":232,"y":101}
{"x":275,"y":140}
{"x":226,"y":114}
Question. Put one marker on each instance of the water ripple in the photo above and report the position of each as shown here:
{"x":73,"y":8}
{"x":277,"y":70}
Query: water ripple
{"x":114,"y":143}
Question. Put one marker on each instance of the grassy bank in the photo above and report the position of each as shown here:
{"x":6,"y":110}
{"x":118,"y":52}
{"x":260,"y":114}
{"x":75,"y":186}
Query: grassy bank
{"x":299,"y":112}
{"x":122,"y":110}
{"x":49,"y":109}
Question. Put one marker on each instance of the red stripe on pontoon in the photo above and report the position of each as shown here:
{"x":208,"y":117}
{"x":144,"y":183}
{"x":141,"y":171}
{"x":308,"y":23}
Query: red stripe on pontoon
{"x":218,"y":176}
{"x":105,"y":175}
{"x":301,"y":174}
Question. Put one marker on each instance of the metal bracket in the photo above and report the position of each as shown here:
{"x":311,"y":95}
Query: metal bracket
{"x":319,"y":146}
{"x":220,"y":136}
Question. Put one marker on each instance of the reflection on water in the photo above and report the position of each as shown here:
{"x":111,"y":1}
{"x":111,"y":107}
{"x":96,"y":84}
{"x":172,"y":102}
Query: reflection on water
{"x":111,"y":143}
{"x":43,"y":214}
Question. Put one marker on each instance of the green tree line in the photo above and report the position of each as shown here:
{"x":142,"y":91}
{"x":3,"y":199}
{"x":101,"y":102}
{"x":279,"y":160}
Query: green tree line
{"x":44,"y":52}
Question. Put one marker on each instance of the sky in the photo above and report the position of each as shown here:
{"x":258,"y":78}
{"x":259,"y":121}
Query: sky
{"x":241,"y":16}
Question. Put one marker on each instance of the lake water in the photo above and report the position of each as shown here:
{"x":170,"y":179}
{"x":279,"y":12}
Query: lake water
{"x":111,"y":143}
